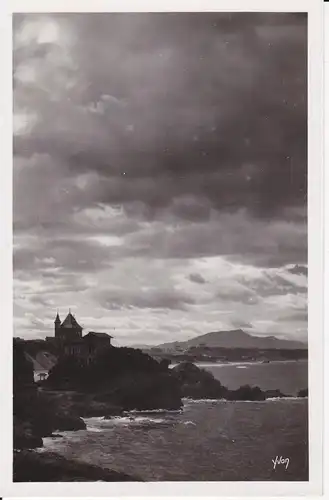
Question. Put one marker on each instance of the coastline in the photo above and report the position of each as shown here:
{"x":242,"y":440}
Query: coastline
{"x":119,"y":431}
{"x":69,"y":410}
{"x":33,"y":466}
{"x":240,"y":363}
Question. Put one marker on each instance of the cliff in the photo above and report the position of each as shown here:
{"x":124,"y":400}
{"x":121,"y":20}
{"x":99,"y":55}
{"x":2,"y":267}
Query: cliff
{"x":33,"y":413}
{"x":123,"y":377}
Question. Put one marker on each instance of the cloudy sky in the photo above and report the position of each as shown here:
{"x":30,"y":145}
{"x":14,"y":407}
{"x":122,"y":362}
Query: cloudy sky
{"x":160,"y":174}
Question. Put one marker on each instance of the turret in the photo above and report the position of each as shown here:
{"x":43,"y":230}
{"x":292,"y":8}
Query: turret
{"x":57,"y":324}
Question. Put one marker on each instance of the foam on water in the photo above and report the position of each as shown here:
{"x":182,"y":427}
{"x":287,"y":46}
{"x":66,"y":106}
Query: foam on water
{"x":168,"y":446}
{"x":190,"y":400}
{"x":132,"y":420}
{"x":92,"y":420}
{"x":286,"y":398}
{"x":94,"y":429}
{"x":147,"y":412}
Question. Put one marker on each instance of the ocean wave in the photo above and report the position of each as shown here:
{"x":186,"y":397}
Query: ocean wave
{"x":134,"y":420}
{"x":49,"y":443}
{"x":92,"y":419}
{"x":188,"y":422}
{"x":222,"y":400}
{"x":94,"y":429}
{"x":147,"y":412}
{"x":288,"y":398}
{"x":98,"y":424}
{"x":150,"y":420}
{"x":138,"y":420}
{"x":205,"y":400}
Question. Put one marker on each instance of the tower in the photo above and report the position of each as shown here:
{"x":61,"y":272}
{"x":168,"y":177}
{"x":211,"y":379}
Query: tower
{"x":57,"y":325}
{"x":70,"y":328}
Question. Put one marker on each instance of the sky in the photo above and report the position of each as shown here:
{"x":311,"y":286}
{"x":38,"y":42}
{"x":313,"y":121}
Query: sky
{"x":160,"y":174}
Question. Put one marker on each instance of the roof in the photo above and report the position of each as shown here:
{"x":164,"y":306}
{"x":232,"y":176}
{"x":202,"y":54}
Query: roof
{"x":70,"y":322}
{"x":43,"y":360}
{"x":100,"y":335}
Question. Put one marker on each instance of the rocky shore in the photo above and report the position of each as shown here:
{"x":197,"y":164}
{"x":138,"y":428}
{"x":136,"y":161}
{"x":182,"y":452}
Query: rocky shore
{"x":123,"y":380}
{"x":35,"y":413}
{"x":197,"y":383}
{"x":31,"y":466}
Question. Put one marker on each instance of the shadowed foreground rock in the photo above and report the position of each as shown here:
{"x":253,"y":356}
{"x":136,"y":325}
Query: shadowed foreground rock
{"x":246,"y":393}
{"x":25,"y":435}
{"x":198,"y":383}
{"x":35,"y":414}
{"x":117,"y":379}
{"x":79,"y":404}
{"x":275,"y":393}
{"x":31,"y":466}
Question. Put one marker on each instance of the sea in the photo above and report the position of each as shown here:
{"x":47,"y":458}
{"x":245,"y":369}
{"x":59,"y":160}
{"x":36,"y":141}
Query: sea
{"x":209,"y":440}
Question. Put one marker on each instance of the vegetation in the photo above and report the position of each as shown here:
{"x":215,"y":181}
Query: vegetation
{"x":246,"y":393}
{"x":118,"y":379}
{"x":198,"y":383}
{"x":34,"y":414}
{"x":124,"y":376}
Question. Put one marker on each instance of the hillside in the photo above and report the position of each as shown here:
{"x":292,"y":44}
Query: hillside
{"x":235,"y":339}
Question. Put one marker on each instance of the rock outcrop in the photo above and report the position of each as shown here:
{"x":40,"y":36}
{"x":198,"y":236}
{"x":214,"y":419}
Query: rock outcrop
{"x":34,"y":414}
{"x":118,"y":379}
{"x":303,"y":393}
{"x":246,"y":393}
{"x":197,"y":383}
{"x":82,"y":404}
{"x":146,"y":392}
{"x":30,"y":466}
{"x":275,"y":393}
{"x":25,"y":435}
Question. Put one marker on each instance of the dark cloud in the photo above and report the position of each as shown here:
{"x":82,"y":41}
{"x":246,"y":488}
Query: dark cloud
{"x":197,"y":278}
{"x":152,"y":298}
{"x":241,"y":238}
{"x":153,"y":152}
{"x":242,"y":324}
{"x":299,"y":316}
{"x":271,"y":286}
{"x":212,"y":107}
{"x":300,"y":270}
{"x":240,"y":294}
{"x":55,"y":256}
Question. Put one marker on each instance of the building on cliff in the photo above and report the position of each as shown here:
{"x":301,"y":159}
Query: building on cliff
{"x":70,"y":342}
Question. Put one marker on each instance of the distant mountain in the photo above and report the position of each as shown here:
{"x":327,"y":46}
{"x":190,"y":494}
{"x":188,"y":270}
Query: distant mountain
{"x":235,"y":339}
{"x":143,"y":346}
